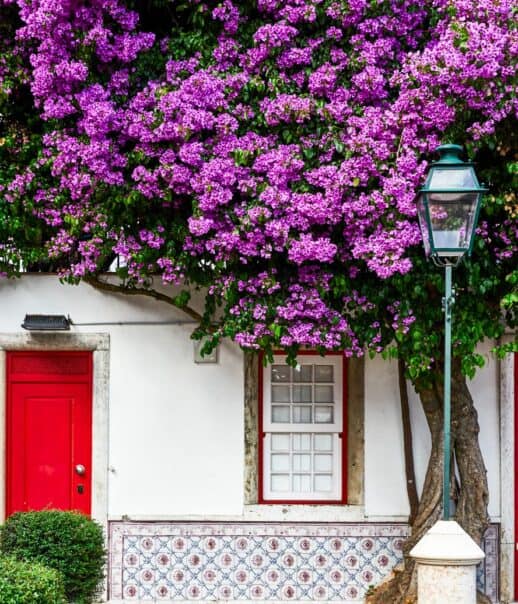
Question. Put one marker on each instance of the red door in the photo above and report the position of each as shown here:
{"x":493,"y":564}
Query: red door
{"x":49,"y":431}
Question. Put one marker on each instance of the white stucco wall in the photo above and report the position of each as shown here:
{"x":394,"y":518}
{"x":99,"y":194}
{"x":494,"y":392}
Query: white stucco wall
{"x":385,"y":490}
{"x":176,"y":445}
{"x":176,"y":428}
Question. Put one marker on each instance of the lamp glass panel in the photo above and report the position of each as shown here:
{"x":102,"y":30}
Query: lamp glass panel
{"x":452,"y":217}
{"x":423,"y":223}
{"x":462,"y":177}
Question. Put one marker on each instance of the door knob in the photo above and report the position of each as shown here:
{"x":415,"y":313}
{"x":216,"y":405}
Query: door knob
{"x":80,"y":469}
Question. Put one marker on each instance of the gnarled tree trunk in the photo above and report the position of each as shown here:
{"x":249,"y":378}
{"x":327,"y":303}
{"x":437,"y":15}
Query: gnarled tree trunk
{"x":472,"y":496}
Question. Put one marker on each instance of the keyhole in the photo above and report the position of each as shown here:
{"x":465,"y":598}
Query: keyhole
{"x":80,"y":489}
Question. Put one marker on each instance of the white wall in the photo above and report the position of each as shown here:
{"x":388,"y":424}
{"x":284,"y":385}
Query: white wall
{"x":176,"y":443}
{"x":384,"y":473}
{"x":176,"y":428}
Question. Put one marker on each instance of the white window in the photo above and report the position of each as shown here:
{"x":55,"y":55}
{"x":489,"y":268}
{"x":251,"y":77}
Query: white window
{"x":302,"y":423}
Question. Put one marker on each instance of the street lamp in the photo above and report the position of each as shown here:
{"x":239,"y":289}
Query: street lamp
{"x":448,"y":207}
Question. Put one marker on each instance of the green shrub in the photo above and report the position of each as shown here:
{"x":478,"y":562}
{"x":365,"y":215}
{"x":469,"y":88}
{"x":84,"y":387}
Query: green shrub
{"x":29,"y":583}
{"x":69,"y":542}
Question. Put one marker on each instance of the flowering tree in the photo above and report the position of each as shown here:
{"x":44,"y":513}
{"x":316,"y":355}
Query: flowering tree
{"x":269,"y":152}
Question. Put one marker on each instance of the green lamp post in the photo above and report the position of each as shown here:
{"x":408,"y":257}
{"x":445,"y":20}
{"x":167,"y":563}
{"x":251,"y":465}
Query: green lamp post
{"x":448,"y":207}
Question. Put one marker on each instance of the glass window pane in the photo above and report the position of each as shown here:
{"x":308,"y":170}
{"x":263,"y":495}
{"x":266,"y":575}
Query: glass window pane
{"x":280,"y":442}
{"x":324,"y":394}
{"x":280,"y":482}
{"x":303,"y":373}
{"x":302,"y":394}
{"x":280,"y":394}
{"x":280,"y":463}
{"x":301,"y":442}
{"x":302,"y":414}
{"x":323,"y":442}
{"x":302,"y":463}
{"x":281,"y":414}
{"x":323,"y":414}
{"x":302,"y":483}
{"x":322,"y":482}
{"x":323,"y":463}
{"x":324,"y":373}
{"x":280,"y":373}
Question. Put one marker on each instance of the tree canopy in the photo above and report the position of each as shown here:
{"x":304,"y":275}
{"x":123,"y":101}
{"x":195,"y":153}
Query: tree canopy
{"x":266,"y":151}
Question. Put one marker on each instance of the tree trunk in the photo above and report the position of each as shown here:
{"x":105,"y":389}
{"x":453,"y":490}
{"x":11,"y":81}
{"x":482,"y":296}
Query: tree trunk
{"x":471,"y":512}
{"x":411,"y":486}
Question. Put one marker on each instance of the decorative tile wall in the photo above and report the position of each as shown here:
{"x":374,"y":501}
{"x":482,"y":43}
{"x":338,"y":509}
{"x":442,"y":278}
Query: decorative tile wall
{"x":249,"y":561}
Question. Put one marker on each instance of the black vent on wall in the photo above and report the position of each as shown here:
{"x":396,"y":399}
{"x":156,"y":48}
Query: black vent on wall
{"x":46,"y":323}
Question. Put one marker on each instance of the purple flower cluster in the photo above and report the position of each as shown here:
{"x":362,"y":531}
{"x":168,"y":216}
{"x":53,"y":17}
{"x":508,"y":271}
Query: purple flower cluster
{"x":292,"y":153}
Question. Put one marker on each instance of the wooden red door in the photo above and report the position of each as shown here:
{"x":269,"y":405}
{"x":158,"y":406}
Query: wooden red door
{"x":49,"y":431}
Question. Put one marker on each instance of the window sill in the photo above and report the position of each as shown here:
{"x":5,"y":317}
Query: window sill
{"x":304,"y":513}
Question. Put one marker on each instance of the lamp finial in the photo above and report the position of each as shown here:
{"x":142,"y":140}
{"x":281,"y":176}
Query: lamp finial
{"x":450,"y":154}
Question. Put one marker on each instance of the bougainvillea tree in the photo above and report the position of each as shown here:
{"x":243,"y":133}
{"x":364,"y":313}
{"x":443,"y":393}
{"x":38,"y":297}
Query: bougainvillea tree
{"x":269,"y":153}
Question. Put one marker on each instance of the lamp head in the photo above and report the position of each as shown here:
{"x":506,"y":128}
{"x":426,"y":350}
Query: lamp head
{"x":449,"y":204}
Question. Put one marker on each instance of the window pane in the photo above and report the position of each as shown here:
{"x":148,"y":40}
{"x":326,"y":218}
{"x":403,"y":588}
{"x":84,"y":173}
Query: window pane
{"x":280,"y":442}
{"x":302,"y":414}
{"x":324,"y":394}
{"x":303,"y":373}
{"x":323,"y":442}
{"x":280,"y":394}
{"x":280,"y":463}
{"x":280,"y":414}
{"x":302,"y":394}
{"x":323,"y":373}
{"x":302,"y":483}
{"x":280,"y":482}
{"x":323,"y":463}
{"x":302,"y":463}
{"x":323,"y":414}
{"x":301,"y":442}
{"x":323,"y":482}
{"x":280,"y":373}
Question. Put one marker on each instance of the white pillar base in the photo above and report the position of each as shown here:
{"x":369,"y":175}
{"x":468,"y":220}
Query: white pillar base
{"x":447,"y":558}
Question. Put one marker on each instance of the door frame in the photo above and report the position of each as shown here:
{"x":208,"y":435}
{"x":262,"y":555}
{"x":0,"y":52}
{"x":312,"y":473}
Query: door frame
{"x":99,"y":345}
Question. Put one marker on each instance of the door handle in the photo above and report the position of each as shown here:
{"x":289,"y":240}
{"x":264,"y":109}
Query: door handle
{"x":80,"y":469}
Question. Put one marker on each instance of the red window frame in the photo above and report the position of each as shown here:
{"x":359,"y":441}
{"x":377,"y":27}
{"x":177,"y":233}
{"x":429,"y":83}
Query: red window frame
{"x":342,"y":436}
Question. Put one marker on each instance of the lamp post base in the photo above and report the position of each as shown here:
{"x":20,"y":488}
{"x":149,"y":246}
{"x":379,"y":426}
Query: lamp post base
{"x":446,"y":558}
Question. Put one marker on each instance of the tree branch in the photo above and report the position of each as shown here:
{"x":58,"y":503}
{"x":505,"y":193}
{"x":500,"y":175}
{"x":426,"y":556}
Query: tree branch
{"x":137,"y":291}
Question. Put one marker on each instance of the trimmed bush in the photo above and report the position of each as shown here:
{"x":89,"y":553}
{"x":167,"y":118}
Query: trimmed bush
{"x":29,"y":583}
{"x":69,"y":542}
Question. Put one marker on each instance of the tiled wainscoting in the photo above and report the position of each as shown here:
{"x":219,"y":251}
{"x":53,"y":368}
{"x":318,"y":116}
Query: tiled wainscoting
{"x":249,"y":561}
